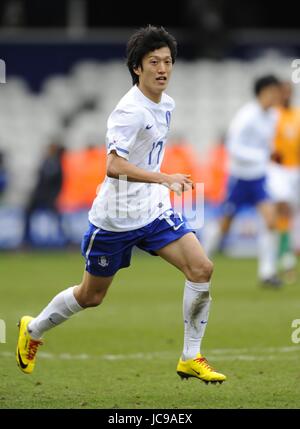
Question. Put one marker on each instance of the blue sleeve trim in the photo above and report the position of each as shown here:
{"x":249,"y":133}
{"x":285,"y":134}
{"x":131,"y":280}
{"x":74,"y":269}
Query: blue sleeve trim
{"x":122,"y":150}
{"x":118,"y":148}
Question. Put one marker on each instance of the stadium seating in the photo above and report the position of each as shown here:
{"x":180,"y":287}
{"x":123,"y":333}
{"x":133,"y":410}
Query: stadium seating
{"x":75,"y":108}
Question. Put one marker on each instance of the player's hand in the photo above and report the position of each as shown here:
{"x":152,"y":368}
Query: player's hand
{"x":276,"y":157}
{"x":179,"y":182}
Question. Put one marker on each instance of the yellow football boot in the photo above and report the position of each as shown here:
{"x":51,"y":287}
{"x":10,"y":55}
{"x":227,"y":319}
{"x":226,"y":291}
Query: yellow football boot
{"x":26,"y":347}
{"x":199,"y":368}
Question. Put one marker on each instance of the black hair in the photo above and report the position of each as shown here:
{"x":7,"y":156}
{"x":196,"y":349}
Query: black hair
{"x":263,"y":82}
{"x":146,"y":40}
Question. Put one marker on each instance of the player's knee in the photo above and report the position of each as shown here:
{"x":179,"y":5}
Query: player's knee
{"x":95,"y":300}
{"x":201,"y":272}
{"x":91,"y":300}
{"x":207,"y":269}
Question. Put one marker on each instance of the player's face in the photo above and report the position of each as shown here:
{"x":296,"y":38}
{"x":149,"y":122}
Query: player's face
{"x":155,"y":72}
{"x":272,"y":95}
{"x":286,"y":93}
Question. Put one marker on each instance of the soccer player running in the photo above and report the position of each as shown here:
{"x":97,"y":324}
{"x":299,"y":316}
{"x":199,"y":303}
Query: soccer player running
{"x":137,"y":211}
{"x":284,"y":178}
{"x":249,"y":143}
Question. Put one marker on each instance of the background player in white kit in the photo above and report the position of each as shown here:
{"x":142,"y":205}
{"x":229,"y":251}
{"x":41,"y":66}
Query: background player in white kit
{"x":249,"y":142}
{"x":136,"y":212}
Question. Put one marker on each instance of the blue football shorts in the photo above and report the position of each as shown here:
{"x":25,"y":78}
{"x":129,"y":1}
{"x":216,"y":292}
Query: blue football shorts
{"x":241,"y":193}
{"x":106,"y":252}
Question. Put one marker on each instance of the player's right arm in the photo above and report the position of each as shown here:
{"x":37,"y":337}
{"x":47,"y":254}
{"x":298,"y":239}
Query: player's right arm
{"x":119,"y":168}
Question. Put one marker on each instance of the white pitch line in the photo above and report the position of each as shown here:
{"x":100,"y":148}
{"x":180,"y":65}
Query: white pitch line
{"x":285,"y":349}
{"x":271,"y":353}
{"x":252,"y":358}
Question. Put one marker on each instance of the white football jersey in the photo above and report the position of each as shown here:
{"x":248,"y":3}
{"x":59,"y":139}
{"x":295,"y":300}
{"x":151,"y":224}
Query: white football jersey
{"x":249,"y":141}
{"x":137,"y":130}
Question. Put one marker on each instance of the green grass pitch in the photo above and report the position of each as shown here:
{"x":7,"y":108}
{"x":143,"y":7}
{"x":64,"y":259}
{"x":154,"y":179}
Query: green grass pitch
{"x":124,"y":353}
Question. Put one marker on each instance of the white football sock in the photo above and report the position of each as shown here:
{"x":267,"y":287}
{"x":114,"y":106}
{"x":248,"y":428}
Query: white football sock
{"x":61,"y":308}
{"x":196,"y":304}
{"x":267,"y":253}
{"x":212,"y":236}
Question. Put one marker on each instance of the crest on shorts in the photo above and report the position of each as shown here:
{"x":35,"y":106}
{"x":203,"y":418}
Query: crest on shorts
{"x":103,"y":261}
